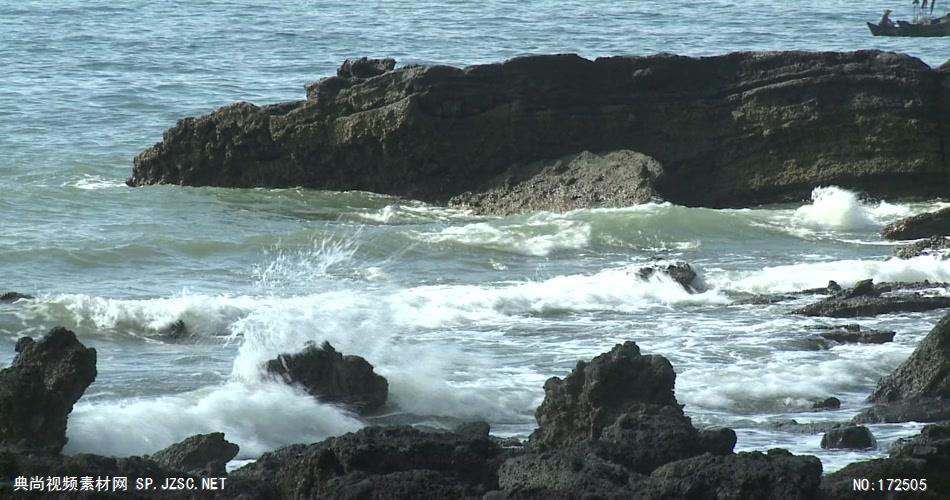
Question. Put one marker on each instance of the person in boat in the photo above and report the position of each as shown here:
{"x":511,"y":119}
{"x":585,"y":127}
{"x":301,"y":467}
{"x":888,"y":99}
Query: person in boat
{"x":886,"y":20}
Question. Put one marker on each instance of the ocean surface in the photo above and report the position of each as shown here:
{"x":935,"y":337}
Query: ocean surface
{"x":466,"y":316}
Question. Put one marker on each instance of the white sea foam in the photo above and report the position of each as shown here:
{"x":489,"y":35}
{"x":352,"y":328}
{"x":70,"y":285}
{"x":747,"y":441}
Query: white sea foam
{"x":778,"y":279}
{"x":94,"y":182}
{"x":413,"y":214}
{"x":203,"y":314}
{"x":539,"y":236}
{"x":835,"y":208}
{"x":284,"y":270}
{"x":258,"y":417}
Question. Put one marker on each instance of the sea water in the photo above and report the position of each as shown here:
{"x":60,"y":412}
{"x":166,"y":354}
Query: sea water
{"x":465,"y":315}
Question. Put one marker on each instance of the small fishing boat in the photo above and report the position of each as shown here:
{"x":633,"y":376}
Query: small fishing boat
{"x":928,"y":27}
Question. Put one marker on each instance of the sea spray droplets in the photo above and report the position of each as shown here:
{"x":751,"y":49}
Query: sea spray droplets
{"x":297,"y":269}
{"x":835,"y":208}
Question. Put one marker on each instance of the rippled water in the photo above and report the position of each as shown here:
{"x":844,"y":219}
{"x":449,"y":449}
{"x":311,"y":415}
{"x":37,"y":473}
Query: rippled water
{"x":466,"y":316}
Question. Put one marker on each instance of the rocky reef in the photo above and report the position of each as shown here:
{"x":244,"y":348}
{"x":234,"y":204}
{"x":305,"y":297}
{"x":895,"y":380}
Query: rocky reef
{"x":612,"y":428}
{"x":729,"y":130}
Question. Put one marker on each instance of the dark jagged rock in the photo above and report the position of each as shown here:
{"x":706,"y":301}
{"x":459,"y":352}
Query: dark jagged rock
{"x":919,"y":226}
{"x":926,"y":373}
{"x":935,"y":245}
{"x":920,"y":409}
{"x":583,"y":180}
{"x":364,"y":68}
{"x":681,"y":272}
{"x":40,"y":387}
{"x":867,"y":299}
{"x":720,"y":441}
{"x":201,"y":454}
{"x":923,"y":457}
{"x":851,"y":437}
{"x":853,"y":334}
{"x":375,"y":459}
{"x":832,"y":288}
{"x":778,"y":474}
{"x":13,"y":297}
{"x":176,"y":330}
{"x":831,"y":403}
{"x":333,"y":377}
{"x":792,"y":425}
{"x":730,"y":130}
{"x":573,"y":472}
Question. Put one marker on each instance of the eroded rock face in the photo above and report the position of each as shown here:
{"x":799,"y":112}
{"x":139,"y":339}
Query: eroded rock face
{"x":935,"y":245}
{"x":201,"y":454}
{"x":919,"y":226}
{"x":926,"y":373}
{"x":40,"y":387}
{"x":333,"y":377}
{"x":584,"y":180}
{"x":730,"y":130}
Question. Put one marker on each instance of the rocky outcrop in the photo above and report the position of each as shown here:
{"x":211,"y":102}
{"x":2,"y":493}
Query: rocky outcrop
{"x":851,"y":437}
{"x":919,"y":226}
{"x":924,"y":457}
{"x":583,"y":180}
{"x":935,"y":245}
{"x":926,"y":373}
{"x":730,"y":130}
{"x":332,"y":377}
{"x":378,"y":463}
{"x":681,"y":272}
{"x":40,"y":387}
{"x":868,"y":299}
{"x":201,"y":455}
{"x":831,"y":403}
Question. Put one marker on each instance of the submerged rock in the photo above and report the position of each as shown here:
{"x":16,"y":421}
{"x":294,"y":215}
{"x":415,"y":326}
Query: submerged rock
{"x":854,"y":334}
{"x":40,"y":387}
{"x":935,"y":245}
{"x":731,"y":130}
{"x":681,"y":272}
{"x":13,"y":297}
{"x":583,"y":180}
{"x":333,"y":377}
{"x":919,"y":226}
{"x":201,"y":454}
{"x":851,"y":437}
{"x":831,"y":403}
{"x":867,"y":299}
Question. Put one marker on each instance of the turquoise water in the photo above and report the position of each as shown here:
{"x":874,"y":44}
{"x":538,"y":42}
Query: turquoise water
{"x":467,"y":316}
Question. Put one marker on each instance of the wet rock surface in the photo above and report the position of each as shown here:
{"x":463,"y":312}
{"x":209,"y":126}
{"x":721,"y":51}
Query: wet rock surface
{"x":868,"y":299}
{"x":201,"y":454}
{"x":922,"y":457}
{"x":854,"y":334}
{"x":40,"y":387}
{"x":730,"y":130}
{"x":926,"y":373}
{"x":919,"y":226}
{"x":583,"y":180}
{"x":935,"y":245}
{"x":7,"y":297}
{"x":332,"y":377}
{"x":681,"y":272}
{"x":851,"y":437}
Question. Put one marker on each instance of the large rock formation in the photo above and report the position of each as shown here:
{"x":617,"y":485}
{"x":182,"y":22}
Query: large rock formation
{"x":926,"y":373}
{"x":919,"y":226}
{"x":584,"y":180}
{"x":730,"y":130}
{"x":39,"y":389}
{"x":333,"y":377}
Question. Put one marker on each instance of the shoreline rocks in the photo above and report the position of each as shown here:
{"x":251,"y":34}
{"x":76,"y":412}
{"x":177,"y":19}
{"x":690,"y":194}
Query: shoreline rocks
{"x":868,"y":299}
{"x":332,"y":377}
{"x":919,"y":226}
{"x":935,"y":245}
{"x":732,"y":130}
